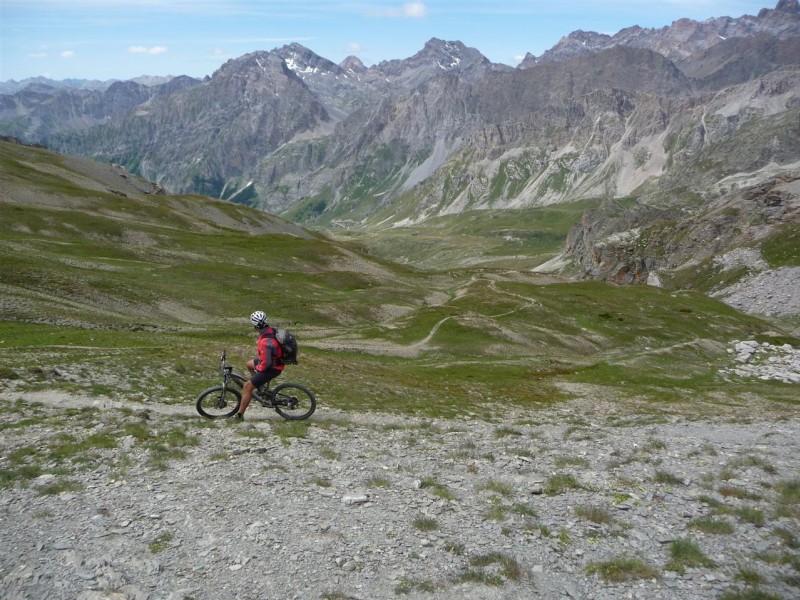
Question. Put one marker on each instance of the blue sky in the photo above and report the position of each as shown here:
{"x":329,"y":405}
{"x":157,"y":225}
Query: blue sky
{"x":123,"y":39}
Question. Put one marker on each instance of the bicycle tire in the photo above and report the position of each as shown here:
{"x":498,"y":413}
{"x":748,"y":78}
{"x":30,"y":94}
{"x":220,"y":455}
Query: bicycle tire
{"x":213,"y":403}
{"x":294,"y":401}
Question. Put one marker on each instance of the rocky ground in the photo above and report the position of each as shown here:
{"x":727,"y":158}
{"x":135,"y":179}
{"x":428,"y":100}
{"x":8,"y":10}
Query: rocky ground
{"x":549,"y":504}
{"x":763,"y":291}
{"x":771,"y":293}
{"x":764,"y":361}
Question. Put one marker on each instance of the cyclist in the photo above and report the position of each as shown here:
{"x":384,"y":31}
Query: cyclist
{"x":267,"y":365}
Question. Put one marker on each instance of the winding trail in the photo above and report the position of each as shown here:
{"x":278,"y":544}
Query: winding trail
{"x":413,"y":350}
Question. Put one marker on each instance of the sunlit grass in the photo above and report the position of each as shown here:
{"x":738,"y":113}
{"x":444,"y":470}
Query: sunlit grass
{"x":373,"y":335}
{"x":561,"y":483}
{"x":686,"y":553}
{"x":623,"y":569}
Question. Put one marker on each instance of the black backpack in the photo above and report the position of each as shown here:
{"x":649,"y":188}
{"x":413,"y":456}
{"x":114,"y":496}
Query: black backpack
{"x":289,"y":344}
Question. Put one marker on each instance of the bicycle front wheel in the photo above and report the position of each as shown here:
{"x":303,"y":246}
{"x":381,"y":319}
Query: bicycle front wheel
{"x":218,"y":402}
{"x":294,"y":401}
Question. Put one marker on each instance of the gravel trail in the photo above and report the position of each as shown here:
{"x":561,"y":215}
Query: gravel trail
{"x":381,"y":506}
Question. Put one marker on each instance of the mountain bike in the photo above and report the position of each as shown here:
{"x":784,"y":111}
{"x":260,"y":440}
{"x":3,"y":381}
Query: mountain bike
{"x":290,"y":400}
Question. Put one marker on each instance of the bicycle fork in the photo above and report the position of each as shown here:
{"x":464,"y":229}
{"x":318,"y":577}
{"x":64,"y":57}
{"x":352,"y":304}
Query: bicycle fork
{"x":222,"y":402}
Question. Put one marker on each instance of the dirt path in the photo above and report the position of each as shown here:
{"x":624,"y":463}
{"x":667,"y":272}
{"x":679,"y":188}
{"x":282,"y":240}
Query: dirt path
{"x":374,"y":505}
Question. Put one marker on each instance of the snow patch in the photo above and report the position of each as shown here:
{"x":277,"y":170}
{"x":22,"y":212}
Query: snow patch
{"x":300,"y":69}
{"x":453,"y":64}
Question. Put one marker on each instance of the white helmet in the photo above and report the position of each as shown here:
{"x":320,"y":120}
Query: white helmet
{"x":258,"y":319}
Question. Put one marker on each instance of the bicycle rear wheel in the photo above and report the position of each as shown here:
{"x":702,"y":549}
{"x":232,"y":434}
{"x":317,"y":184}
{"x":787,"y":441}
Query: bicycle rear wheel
{"x":294,"y":401}
{"x":218,"y":402}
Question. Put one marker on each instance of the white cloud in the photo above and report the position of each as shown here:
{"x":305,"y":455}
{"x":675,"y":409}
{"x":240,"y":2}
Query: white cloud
{"x":354,"y":48}
{"x":415,"y":10}
{"x":67,"y":54}
{"x":38,"y":55}
{"x":146,"y":50}
{"x":410,"y":10}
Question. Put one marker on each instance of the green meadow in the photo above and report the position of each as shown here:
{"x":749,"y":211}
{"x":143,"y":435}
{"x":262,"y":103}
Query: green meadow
{"x":111,"y":292}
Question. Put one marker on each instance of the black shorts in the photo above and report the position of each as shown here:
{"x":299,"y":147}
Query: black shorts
{"x":262,"y":377}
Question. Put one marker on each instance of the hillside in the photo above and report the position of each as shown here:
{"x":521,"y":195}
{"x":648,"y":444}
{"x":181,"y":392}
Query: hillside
{"x":481,"y":433}
{"x":651,"y":155}
{"x":98,"y":263}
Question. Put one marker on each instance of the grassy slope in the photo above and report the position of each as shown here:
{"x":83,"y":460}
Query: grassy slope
{"x":518,"y":239}
{"x":136,"y":295}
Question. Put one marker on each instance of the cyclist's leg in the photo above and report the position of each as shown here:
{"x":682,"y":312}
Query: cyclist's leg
{"x":275,"y":373}
{"x":272,"y":374}
{"x":247,"y":394}
{"x":258,"y":379}
{"x":252,"y":364}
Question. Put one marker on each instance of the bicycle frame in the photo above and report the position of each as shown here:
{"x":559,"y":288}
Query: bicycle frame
{"x":229,"y":375}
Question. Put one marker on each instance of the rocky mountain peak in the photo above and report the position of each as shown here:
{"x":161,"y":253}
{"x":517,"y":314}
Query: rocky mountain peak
{"x":303,"y":61}
{"x":451,"y":56}
{"x":288,"y":61}
{"x":785,"y":16}
{"x":436,"y":48}
{"x":781,"y":22}
{"x":339,"y":88}
{"x":577,"y":43}
{"x":258,"y":61}
{"x":437,"y":57}
{"x":354,"y":64}
{"x":682,"y":38}
{"x":586,"y":37}
{"x":788,"y":6}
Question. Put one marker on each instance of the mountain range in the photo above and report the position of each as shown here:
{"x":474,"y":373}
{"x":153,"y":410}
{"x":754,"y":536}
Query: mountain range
{"x":657,"y":127}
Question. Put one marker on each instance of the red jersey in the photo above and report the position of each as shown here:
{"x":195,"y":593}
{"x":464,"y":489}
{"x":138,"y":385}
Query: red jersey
{"x":270,"y":353}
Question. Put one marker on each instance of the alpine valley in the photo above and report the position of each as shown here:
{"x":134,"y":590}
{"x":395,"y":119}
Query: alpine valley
{"x":669,"y":156}
{"x":505,"y":411}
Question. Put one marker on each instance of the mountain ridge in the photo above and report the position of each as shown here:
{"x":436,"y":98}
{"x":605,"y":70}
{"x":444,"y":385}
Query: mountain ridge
{"x":682,"y":38}
{"x":118,"y":299}
{"x":447,"y":131}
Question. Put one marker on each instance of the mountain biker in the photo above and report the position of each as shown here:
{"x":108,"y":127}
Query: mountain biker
{"x":267,"y":365}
